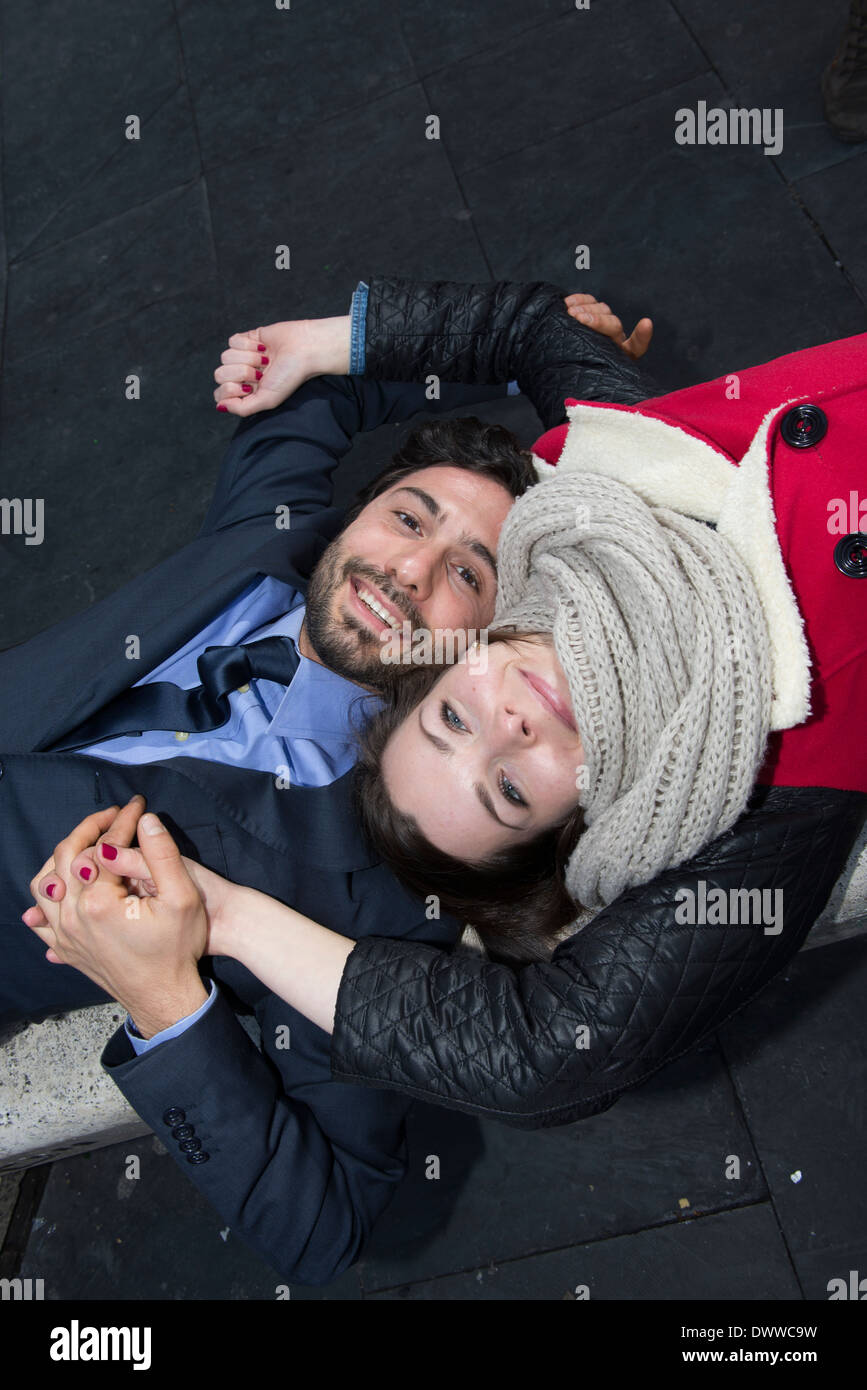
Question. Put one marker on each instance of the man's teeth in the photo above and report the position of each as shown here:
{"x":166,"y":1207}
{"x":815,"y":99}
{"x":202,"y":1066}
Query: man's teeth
{"x":375,"y":606}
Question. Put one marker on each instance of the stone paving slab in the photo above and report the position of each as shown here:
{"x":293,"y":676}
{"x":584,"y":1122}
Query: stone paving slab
{"x":503,"y":1193}
{"x":772,"y":57}
{"x":736,"y":1255}
{"x":716,"y":251}
{"x":803,"y":1087}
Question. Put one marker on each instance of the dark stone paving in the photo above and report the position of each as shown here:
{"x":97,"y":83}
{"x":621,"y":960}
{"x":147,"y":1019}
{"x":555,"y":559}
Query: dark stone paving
{"x":305,"y":128}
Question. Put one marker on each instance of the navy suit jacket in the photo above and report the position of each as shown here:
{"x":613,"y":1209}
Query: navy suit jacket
{"x":298,"y":1166}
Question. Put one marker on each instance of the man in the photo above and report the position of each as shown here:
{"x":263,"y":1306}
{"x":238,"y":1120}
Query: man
{"x":251,"y":770}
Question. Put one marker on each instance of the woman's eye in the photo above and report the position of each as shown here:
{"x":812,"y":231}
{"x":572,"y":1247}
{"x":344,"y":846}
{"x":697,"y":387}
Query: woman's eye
{"x":450,"y":719}
{"x":510,"y":792}
{"x":406,"y":518}
{"x":469,"y":576}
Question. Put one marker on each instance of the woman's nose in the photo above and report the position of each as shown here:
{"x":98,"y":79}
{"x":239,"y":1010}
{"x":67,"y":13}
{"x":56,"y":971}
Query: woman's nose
{"x":515,"y":724}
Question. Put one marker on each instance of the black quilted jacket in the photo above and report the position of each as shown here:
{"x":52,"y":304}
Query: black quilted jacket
{"x":552,"y":1043}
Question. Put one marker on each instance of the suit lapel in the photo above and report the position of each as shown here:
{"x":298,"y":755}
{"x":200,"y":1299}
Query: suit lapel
{"x":315,"y":825}
{"x":178,"y":598}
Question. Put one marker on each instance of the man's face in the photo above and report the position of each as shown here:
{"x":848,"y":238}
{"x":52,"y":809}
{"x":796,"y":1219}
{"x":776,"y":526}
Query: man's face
{"x":423,"y":552}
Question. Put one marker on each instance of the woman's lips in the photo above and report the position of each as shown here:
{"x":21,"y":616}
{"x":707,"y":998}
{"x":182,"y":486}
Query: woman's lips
{"x":548,"y":696}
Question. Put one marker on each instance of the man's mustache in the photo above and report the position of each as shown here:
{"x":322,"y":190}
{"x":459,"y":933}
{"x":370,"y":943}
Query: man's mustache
{"x":359,"y":569}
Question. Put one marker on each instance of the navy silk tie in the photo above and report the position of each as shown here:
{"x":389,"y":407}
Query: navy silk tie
{"x":164,"y":705}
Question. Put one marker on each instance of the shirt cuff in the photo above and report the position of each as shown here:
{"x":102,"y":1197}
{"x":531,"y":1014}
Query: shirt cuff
{"x":174,"y":1030}
{"x":358,"y":316}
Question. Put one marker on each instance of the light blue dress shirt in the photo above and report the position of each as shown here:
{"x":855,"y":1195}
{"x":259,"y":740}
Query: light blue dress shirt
{"x":303,"y":732}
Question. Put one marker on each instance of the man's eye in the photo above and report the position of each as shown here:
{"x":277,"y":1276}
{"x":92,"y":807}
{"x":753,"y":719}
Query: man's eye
{"x":408,"y":519}
{"x":510,"y":792}
{"x":450,"y":719}
{"x":469,"y":576}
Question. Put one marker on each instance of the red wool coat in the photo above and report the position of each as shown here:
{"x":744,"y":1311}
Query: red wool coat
{"x":776,"y":457}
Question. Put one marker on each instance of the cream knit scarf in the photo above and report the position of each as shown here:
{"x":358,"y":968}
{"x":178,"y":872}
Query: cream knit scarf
{"x":659,"y":629}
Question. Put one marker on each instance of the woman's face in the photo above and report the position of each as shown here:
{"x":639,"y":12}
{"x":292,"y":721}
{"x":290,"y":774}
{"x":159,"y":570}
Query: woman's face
{"x":490,"y":757}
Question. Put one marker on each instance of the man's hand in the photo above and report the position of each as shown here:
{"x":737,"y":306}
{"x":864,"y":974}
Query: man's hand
{"x":143,"y":951}
{"x":263,"y":366}
{"x":600,"y":318}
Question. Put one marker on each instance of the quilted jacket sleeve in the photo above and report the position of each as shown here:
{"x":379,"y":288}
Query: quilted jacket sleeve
{"x":495,"y":332}
{"x":555,"y":1042}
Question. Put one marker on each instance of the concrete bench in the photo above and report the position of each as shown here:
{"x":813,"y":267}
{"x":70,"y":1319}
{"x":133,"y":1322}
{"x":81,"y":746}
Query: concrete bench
{"x":55,"y":1099}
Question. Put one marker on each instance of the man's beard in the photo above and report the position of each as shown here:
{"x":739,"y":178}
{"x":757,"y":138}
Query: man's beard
{"x":345,"y":644}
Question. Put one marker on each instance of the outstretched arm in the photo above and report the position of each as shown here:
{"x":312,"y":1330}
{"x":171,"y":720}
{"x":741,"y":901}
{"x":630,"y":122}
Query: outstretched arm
{"x":408,"y":330}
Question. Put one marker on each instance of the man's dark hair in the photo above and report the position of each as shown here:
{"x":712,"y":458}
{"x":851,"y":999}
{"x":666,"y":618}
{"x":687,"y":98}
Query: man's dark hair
{"x":492,"y":451}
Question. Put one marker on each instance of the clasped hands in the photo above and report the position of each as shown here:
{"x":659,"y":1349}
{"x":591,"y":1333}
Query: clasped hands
{"x":135,"y":921}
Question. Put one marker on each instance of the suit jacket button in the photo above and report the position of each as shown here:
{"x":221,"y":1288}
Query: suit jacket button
{"x":190,"y":1146}
{"x":804,"y":426}
{"x":850,"y":555}
{"x":183,"y":1132}
{"x":200,"y":1157}
{"x":174,"y":1116}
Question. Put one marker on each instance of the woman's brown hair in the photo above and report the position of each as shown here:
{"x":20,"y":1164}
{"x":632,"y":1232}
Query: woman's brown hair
{"x":516,"y":899}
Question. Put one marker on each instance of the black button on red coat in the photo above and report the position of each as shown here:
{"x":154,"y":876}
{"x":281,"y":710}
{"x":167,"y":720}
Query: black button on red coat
{"x":850,"y":555}
{"x":803,"y":426}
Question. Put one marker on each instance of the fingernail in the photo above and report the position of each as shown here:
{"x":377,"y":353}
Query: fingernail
{"x":49,"y":890}
{"x":223,"y":407}
{"x":265,"y":361}
{"x":85,"y":873}
{"x":150,"y":824}
{"x":246,"y":388}
{"x":109,"y":851}
{"x":260,"y":347}
{"x":258,"y":374}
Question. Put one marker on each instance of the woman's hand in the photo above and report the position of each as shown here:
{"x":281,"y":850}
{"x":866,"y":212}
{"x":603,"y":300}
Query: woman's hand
{"x":601,"y":319}
{"x":263,"y":366}
{"x":143,"y":951}
{"x":109,"y":854}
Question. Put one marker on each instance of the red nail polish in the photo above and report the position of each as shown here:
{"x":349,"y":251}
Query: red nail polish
{"x":223,"y":407}
{"x":85,"y":873}
{"x":265,"y":361}
{"x":246,"y":388}
{"x":108,"y":850}
{"x":49,"y":890}
{"x":258,"y":374}
{"x":260,"y":347}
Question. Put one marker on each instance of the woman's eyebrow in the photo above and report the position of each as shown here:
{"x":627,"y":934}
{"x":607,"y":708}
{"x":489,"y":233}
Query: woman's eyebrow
{"x":438,"y":743}
{"x":489,"y":807}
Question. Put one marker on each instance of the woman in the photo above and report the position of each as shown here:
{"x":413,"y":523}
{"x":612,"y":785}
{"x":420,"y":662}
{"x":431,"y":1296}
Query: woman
{"x":669,"y":730}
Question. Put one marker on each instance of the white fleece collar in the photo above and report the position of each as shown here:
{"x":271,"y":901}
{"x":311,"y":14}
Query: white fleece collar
{"x":669,"y":466}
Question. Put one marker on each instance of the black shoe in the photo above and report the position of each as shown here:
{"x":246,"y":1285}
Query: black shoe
{"x":844,"y":81}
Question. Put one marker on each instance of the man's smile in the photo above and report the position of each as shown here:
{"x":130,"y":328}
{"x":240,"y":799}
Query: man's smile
{"x":373,"y":606}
